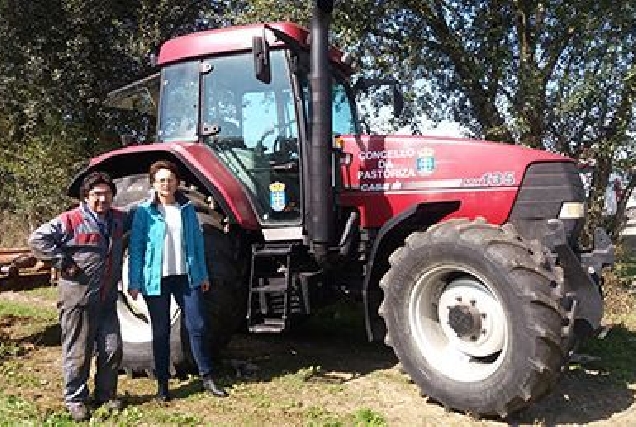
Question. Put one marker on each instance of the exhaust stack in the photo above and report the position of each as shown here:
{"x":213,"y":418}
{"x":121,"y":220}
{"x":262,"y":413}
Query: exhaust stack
{"x":322,"y":216}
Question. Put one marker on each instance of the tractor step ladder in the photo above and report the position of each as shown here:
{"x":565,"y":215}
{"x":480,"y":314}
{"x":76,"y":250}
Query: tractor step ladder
{"x":270,"y":298}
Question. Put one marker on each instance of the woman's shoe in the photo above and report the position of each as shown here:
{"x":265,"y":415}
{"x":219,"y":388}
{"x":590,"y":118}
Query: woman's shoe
{"x":111,"y":404}
{"x":163,"y":393}
{"x":212,"y":388}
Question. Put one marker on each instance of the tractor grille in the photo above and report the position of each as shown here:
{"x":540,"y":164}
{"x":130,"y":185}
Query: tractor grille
{"x":544,"y":188}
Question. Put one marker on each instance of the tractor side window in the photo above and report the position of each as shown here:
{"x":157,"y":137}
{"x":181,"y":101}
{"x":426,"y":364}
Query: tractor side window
{"x":343,"y":121}
{"x":179,"y":106}
{"x":132,"y":110}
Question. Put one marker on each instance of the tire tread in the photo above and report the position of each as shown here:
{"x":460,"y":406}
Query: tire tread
{"x":528,"y":263}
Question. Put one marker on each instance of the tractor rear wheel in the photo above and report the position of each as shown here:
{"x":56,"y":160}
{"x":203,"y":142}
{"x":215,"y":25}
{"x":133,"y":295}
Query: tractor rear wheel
{"x":225,"y":303}
{"x":474,"y":315}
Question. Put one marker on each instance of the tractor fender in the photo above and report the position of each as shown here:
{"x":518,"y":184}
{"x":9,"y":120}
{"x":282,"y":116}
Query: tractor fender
{"x":389,"y":237}
{"x":198,"y":165}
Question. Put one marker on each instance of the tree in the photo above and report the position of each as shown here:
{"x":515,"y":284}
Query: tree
{"x":58,"y":61}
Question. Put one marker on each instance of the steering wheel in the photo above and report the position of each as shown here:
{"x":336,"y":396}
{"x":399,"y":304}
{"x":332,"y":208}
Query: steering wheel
{"x":260,"y":144}
{"x":285,"y":149}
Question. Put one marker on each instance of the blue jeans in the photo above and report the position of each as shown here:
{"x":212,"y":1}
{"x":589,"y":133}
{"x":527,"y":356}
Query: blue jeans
{"x":190,"y":301}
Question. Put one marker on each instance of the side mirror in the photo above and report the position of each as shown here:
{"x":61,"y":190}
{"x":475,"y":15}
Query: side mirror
{"x":262,"y":67}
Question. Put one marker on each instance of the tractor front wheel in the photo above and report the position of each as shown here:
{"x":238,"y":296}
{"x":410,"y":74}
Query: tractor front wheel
{"x":474,"y":315}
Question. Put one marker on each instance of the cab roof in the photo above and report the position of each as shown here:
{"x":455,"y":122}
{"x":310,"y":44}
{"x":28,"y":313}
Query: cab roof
{"x":236,"y":39}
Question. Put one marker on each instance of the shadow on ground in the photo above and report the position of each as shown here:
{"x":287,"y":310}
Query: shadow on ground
{"x":48,"y":336}
{"x":334,"y":340}
{"x":595,"y":390}
{"x":591,"y":391}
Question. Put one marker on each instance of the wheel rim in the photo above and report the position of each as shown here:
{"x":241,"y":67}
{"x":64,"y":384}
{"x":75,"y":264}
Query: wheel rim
{"x":133,"y":314}
{"x":458,"y":323}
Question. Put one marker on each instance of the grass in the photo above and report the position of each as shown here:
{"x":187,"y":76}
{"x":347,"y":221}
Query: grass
{"x":9,"y":350}
{"x":628,"y":268}
{"x":38,"y":303}
{"x":46,"y":293}
{"x":24,"y":309}
{"x":291,"y":388}
{"x":324,"y":375}
{"x":367,"y":417}
{"x":14,"y":409}
{"x":625,"y":267}
{"x":616,"y":353}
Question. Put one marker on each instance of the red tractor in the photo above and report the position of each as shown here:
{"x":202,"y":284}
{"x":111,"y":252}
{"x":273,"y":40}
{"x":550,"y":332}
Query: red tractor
{"x":464,"y":253}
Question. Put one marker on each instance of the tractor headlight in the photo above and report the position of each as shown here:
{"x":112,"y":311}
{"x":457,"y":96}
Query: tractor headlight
{"x":572,"y":210}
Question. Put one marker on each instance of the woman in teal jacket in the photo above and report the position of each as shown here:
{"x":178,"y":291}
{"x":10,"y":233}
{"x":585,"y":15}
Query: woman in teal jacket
{"x":167,"y":257}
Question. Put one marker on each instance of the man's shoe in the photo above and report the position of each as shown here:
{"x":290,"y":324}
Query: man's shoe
{"x":163,"y":393}
{"x":212,"y":388}
{"x":112,"y":404}
{"x":78,"y":411}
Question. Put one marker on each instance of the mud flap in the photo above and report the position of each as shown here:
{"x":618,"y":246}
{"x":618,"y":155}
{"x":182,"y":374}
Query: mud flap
{"x":579,"y":284}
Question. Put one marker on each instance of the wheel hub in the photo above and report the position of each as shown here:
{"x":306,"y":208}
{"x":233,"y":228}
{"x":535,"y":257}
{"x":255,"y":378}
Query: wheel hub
{"x":471,"y":318}
{"x":465,"y":320}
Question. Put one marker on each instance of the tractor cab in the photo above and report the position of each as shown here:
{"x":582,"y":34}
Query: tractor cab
{"x":257,"y":127}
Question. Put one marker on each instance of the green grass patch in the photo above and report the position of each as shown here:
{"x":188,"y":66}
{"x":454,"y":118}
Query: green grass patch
{"x":364,"y":417}
{"x":131,"y":415}
{"x":368,"y":418}
{"x":24,"y":309}
{"x":177,"y":418}
{"x":14,"y":372}
{"x":625,"y":265}
{"x":299,"y":378}
{"x":318,"y":416}
{"x":628,"y":268}
{"x":48,"y":293}
{"x":616,"y":352}
{"x":9,"y":350}
{"x":14,"y":410}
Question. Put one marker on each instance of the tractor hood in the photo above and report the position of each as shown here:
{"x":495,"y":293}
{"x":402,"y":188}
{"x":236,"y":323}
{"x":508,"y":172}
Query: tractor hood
{"x":384,"y":163}
{"x":383,"y":176}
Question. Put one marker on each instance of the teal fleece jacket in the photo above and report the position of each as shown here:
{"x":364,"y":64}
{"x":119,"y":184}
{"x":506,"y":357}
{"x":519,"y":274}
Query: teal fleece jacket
{"x":145,"y":247}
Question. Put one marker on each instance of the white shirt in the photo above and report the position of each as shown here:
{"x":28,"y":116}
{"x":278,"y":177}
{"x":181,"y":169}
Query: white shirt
{"x":173,"y":261}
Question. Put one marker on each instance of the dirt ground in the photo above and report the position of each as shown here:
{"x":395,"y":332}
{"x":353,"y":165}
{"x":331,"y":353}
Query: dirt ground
{"x":308,"y":378}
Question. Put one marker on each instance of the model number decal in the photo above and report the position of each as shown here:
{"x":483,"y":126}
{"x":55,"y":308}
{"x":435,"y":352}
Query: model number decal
{"x":491,"y":179}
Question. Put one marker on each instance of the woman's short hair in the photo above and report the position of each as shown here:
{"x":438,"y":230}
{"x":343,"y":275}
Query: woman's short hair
{"x":95,"y":178}
{"x":162,"y":164}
